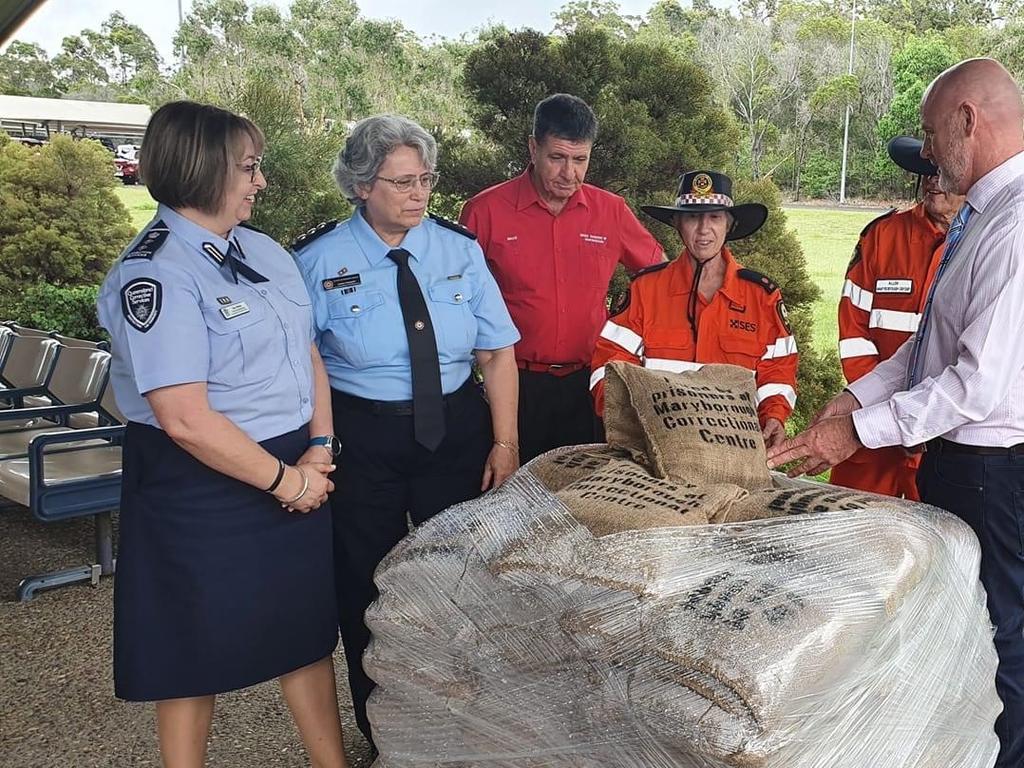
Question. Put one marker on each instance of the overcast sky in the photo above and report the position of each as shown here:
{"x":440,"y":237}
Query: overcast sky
{"x":159,"y":18}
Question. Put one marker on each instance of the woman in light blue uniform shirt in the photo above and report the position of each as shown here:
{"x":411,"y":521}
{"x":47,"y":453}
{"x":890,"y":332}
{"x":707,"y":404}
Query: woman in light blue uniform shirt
{"x":224,"y":574}
{"x":403,"y":305}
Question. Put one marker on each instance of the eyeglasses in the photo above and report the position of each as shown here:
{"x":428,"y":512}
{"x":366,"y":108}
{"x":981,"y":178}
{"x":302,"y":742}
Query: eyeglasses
{"x":252,"y":168}
{"x":405,"y":183}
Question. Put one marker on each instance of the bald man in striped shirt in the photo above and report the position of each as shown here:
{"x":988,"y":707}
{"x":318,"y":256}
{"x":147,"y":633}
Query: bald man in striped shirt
{"x":957,"y":386}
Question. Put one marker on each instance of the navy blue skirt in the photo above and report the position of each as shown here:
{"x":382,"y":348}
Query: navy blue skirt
{"x":217,"y":586}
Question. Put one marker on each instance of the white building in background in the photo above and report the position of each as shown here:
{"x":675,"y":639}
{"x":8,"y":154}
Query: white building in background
{"x":30,"y":116}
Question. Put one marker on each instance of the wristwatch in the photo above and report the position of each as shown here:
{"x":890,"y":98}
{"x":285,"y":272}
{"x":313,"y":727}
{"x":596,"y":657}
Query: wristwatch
{"x":330,"y":442}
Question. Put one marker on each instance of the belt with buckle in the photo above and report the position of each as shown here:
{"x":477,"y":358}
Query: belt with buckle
{"x":394,"y":407}
{"x":941,"y":445}
{"x":554,"y":369}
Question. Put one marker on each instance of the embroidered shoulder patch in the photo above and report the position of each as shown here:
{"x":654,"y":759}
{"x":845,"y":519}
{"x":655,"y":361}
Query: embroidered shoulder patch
{"x":149,"y":243}
{"x":453,"y":226}
{"x":312,"y":234}
{"x":784,"y":316}
{"x":140,"y":302}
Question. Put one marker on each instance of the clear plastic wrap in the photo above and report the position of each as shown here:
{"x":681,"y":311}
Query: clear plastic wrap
{"x":508,"y":633}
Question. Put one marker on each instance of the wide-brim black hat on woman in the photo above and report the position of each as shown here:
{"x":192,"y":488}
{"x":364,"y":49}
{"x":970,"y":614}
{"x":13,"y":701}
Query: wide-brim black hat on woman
{"x":905,"y":151}
{"x":706,"y":191}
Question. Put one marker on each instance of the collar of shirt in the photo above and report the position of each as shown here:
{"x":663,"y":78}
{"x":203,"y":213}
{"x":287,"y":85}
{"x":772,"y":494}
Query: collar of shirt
{"x":993,"y":182}
{"x":925,"y":224}
{"x":526,"y":194}
{"x":376,"y":250}
{"x":682,"y":280}
{"x":195,"y":235}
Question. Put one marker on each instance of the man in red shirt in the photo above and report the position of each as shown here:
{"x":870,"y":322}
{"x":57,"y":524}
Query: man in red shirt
{"x":552,"y":243}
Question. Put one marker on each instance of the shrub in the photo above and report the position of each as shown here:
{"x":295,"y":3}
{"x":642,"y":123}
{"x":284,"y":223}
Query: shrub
{"x":60,"y":221}
{"x":67,"y":310}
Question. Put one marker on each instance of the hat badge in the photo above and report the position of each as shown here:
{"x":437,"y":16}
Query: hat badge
{"x":702,"y":185}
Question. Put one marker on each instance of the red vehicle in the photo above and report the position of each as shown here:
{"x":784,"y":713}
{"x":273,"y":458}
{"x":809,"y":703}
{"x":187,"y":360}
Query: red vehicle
{"x":126,"y":170}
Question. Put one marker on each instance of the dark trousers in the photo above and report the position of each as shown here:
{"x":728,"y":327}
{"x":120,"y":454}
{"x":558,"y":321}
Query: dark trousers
{"x":555,"y":411}
{"x":987,"y":493}
{"x":384,"y":474}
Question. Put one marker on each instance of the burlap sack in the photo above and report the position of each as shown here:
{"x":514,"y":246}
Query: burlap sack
{"x":696,"y":427}
{"x":559,"y":468}
{"x":799,"y":501}
{"x":623,"y":497}
{"x":777,"y":619}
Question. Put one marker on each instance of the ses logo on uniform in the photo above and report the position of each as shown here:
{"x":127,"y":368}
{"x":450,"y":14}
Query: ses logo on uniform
{"x":140,"y":302}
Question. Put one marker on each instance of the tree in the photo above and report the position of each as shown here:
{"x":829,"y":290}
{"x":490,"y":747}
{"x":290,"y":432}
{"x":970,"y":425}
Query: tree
{"x":60,"y":221}
{"x":775,"y":251}
{"x":61,"y":227}
{"x":589,"y":14}
{"x":913,"y":67}
{"x":656,"y":110}
{"x":25,"y":71}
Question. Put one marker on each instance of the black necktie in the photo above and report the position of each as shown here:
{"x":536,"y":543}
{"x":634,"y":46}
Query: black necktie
{"x":235,"y":264}
{"x":427,"y":399}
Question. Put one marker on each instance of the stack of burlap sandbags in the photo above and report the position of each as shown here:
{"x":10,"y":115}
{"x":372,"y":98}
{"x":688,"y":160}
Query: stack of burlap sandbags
{"x":664,"y":600}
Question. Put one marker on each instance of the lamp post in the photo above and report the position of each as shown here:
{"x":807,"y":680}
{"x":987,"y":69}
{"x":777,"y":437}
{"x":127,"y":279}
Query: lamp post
{"x":846,"y":126}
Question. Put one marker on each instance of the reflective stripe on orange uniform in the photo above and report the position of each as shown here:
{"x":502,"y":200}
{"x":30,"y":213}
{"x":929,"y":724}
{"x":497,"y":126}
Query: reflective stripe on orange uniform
{"x":744,"y":324}
{"x":884,"y":293}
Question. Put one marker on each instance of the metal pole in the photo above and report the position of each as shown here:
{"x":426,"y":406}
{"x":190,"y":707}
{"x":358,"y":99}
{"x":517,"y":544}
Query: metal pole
{"x":846,"y":126}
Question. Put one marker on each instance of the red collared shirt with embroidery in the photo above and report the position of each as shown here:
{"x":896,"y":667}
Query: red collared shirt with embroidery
{"x":554,"y":271}
{"x":744,"y":323}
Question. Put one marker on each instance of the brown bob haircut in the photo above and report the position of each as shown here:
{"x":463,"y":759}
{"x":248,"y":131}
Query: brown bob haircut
{"x":189,"y":152}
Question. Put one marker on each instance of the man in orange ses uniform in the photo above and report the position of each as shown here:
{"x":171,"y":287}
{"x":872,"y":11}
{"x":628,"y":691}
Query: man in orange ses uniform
{"x":704,"y":307}
{"x":885,"y":290}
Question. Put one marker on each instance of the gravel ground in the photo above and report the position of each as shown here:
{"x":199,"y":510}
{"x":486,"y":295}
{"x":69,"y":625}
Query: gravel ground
{"x":57,"y":707}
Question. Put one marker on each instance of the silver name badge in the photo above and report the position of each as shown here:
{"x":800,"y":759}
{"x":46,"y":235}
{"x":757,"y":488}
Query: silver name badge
{"x":234,"y":310}
{"x":894,"y":285}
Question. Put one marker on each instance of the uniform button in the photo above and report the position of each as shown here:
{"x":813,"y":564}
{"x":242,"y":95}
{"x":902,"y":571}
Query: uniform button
{"x":356,"y":309}
{"x":419,"y":325}
{"x":305,"y":400}
{"x":263,"y":291}
{"x":458,"y":297}
{"x":286,"y":326}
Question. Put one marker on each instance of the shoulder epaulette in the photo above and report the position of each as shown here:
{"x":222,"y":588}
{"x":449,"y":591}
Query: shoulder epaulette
{"x":870,"y":224}
{"x":247,"y":225}
{"x":312,"y":234}
{"x":149,"y":243}
{"x":453,"y":226}
{"x":754,"y":276}
{"x":649,"y":270}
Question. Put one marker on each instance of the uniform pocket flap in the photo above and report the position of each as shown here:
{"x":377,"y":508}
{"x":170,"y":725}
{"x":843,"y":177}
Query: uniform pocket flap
{"x":354,"y":305}
{"x":451,"y":291}
{"x":229,"y":318}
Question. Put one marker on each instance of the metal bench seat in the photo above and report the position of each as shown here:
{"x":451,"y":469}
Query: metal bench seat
{"x":65,"y":464}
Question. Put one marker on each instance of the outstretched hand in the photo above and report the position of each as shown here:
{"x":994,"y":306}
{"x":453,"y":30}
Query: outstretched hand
{"x":824,"y":444}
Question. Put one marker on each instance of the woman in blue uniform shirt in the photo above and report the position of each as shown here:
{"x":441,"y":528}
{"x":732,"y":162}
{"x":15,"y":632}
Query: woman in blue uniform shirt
{"x":225,"y":563}
{"x":402,"y":306}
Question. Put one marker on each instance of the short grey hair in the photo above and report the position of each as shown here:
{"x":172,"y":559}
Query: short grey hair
{"x":371,"y":141}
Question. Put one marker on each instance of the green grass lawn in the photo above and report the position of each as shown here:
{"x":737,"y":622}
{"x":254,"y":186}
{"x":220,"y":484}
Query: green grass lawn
{"x":828,"y":238}
{"x":138,"y":202}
